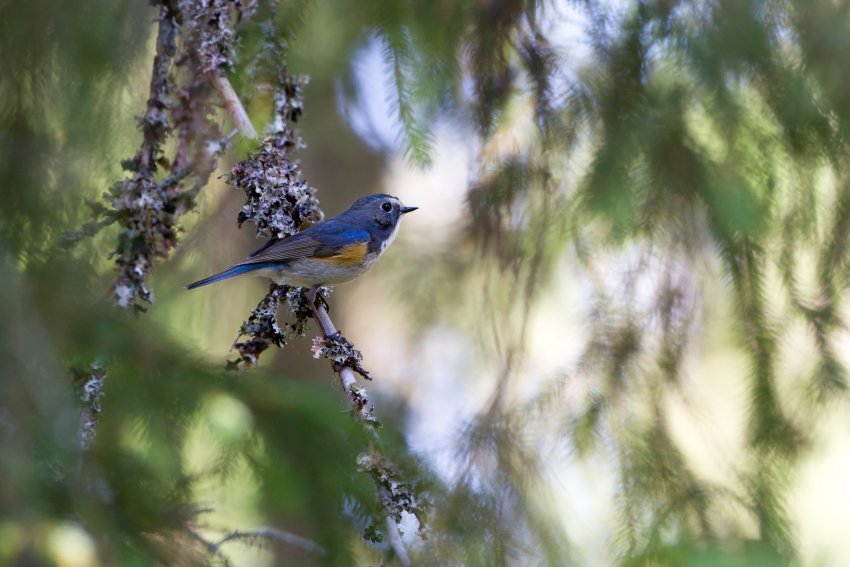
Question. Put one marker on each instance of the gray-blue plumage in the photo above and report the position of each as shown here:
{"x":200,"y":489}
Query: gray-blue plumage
{"x":330,"y":252}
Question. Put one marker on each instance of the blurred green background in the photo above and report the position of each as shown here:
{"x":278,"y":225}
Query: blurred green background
{"x":612,"y":334}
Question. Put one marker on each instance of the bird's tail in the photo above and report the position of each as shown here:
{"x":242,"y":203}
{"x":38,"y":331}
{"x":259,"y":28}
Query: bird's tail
{"x":228,"y":273}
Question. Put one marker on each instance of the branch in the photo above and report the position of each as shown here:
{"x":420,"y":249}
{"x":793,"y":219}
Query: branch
{"x":393,"y":501}
{"x":89,"y":385}
{"x":271,"y":169}
{"x":396,"y":543}
{"x":155,"y":126}
{"x":357,"y":396}
{"x":272,"y":534}
{"x":149,"y":204}
{"x":233,"y":105}
{"x":262,"y":535}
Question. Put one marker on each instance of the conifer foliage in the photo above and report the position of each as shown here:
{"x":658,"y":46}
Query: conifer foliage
{"x":683,"y":161}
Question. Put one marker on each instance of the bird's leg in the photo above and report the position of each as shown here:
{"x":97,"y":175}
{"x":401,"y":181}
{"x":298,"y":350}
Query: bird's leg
{"x":323,"y":300}
{"x":311,"y":297}
{"x":314,"y":297}
{"x":323,"y":320}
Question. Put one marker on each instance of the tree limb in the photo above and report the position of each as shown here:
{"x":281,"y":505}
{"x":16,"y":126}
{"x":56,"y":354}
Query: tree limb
{"x":393,"y":503}
{"x":357,"y":397}
{"x":345,"y":362}
{"x":273,"y":534}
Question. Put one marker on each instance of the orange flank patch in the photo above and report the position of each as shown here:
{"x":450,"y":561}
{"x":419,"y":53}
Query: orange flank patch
{"x":349,"y":256}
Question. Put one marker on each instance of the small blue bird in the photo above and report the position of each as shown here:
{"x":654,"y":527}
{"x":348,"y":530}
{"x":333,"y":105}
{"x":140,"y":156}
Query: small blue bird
{"x":327,"y":253}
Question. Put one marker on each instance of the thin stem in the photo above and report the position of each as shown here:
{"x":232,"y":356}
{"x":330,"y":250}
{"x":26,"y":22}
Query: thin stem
{"x":265,"y":534}
{"x":396,"y":543}
{"x":274,"y":534}
{"x":233,"y":105}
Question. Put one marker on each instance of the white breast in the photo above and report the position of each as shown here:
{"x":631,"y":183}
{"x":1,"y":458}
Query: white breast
{"x":386,"y":243}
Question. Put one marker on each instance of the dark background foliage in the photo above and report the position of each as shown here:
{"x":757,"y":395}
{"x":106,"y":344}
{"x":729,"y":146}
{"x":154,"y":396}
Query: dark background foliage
{"x":615,"y":335}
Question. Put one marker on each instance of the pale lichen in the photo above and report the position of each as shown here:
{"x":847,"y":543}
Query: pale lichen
{"x":262,"y":329}
{"x":340,"y":352}
{"x":278,"y":199}
{"x":149,"y":204}
{"x":395,"y":495}
{"x":89,"y":385}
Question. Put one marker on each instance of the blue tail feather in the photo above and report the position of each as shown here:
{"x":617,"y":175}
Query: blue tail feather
{"x":229,"y":273}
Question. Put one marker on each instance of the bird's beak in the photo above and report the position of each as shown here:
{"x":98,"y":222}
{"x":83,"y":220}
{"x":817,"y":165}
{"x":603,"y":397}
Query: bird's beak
{"x":405,"y":210}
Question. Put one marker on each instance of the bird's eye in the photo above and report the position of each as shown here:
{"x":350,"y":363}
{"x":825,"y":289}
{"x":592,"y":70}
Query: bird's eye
{"x":387,"y":207}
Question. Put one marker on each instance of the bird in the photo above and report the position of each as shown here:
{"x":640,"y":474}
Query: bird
{"x":329,"y":252}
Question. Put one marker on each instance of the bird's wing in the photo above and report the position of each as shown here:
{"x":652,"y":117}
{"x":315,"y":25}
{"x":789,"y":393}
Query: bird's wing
{"x":308,"y":244}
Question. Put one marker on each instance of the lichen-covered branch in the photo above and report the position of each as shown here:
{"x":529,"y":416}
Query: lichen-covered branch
{"x":262,"y":329}
{"x":280,"y":203}
{"x":396,"y":543}
{"x":89,"y":386}
{"x":137,"y":201}
{"x":194,"y":49}
{"x":358,"y":399}
{"x":395,"y":497}
{"x":341,"y":353}
{"x":278,"y":200}
{"x":148,"y":204}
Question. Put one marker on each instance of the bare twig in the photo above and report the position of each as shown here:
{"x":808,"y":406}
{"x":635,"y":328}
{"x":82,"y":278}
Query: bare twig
{"x":233,"y":105}
{"x":262,"y":535}
{"x":273,"y":534}
{"x":211,"y":547}
{"x":396,"y":543}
